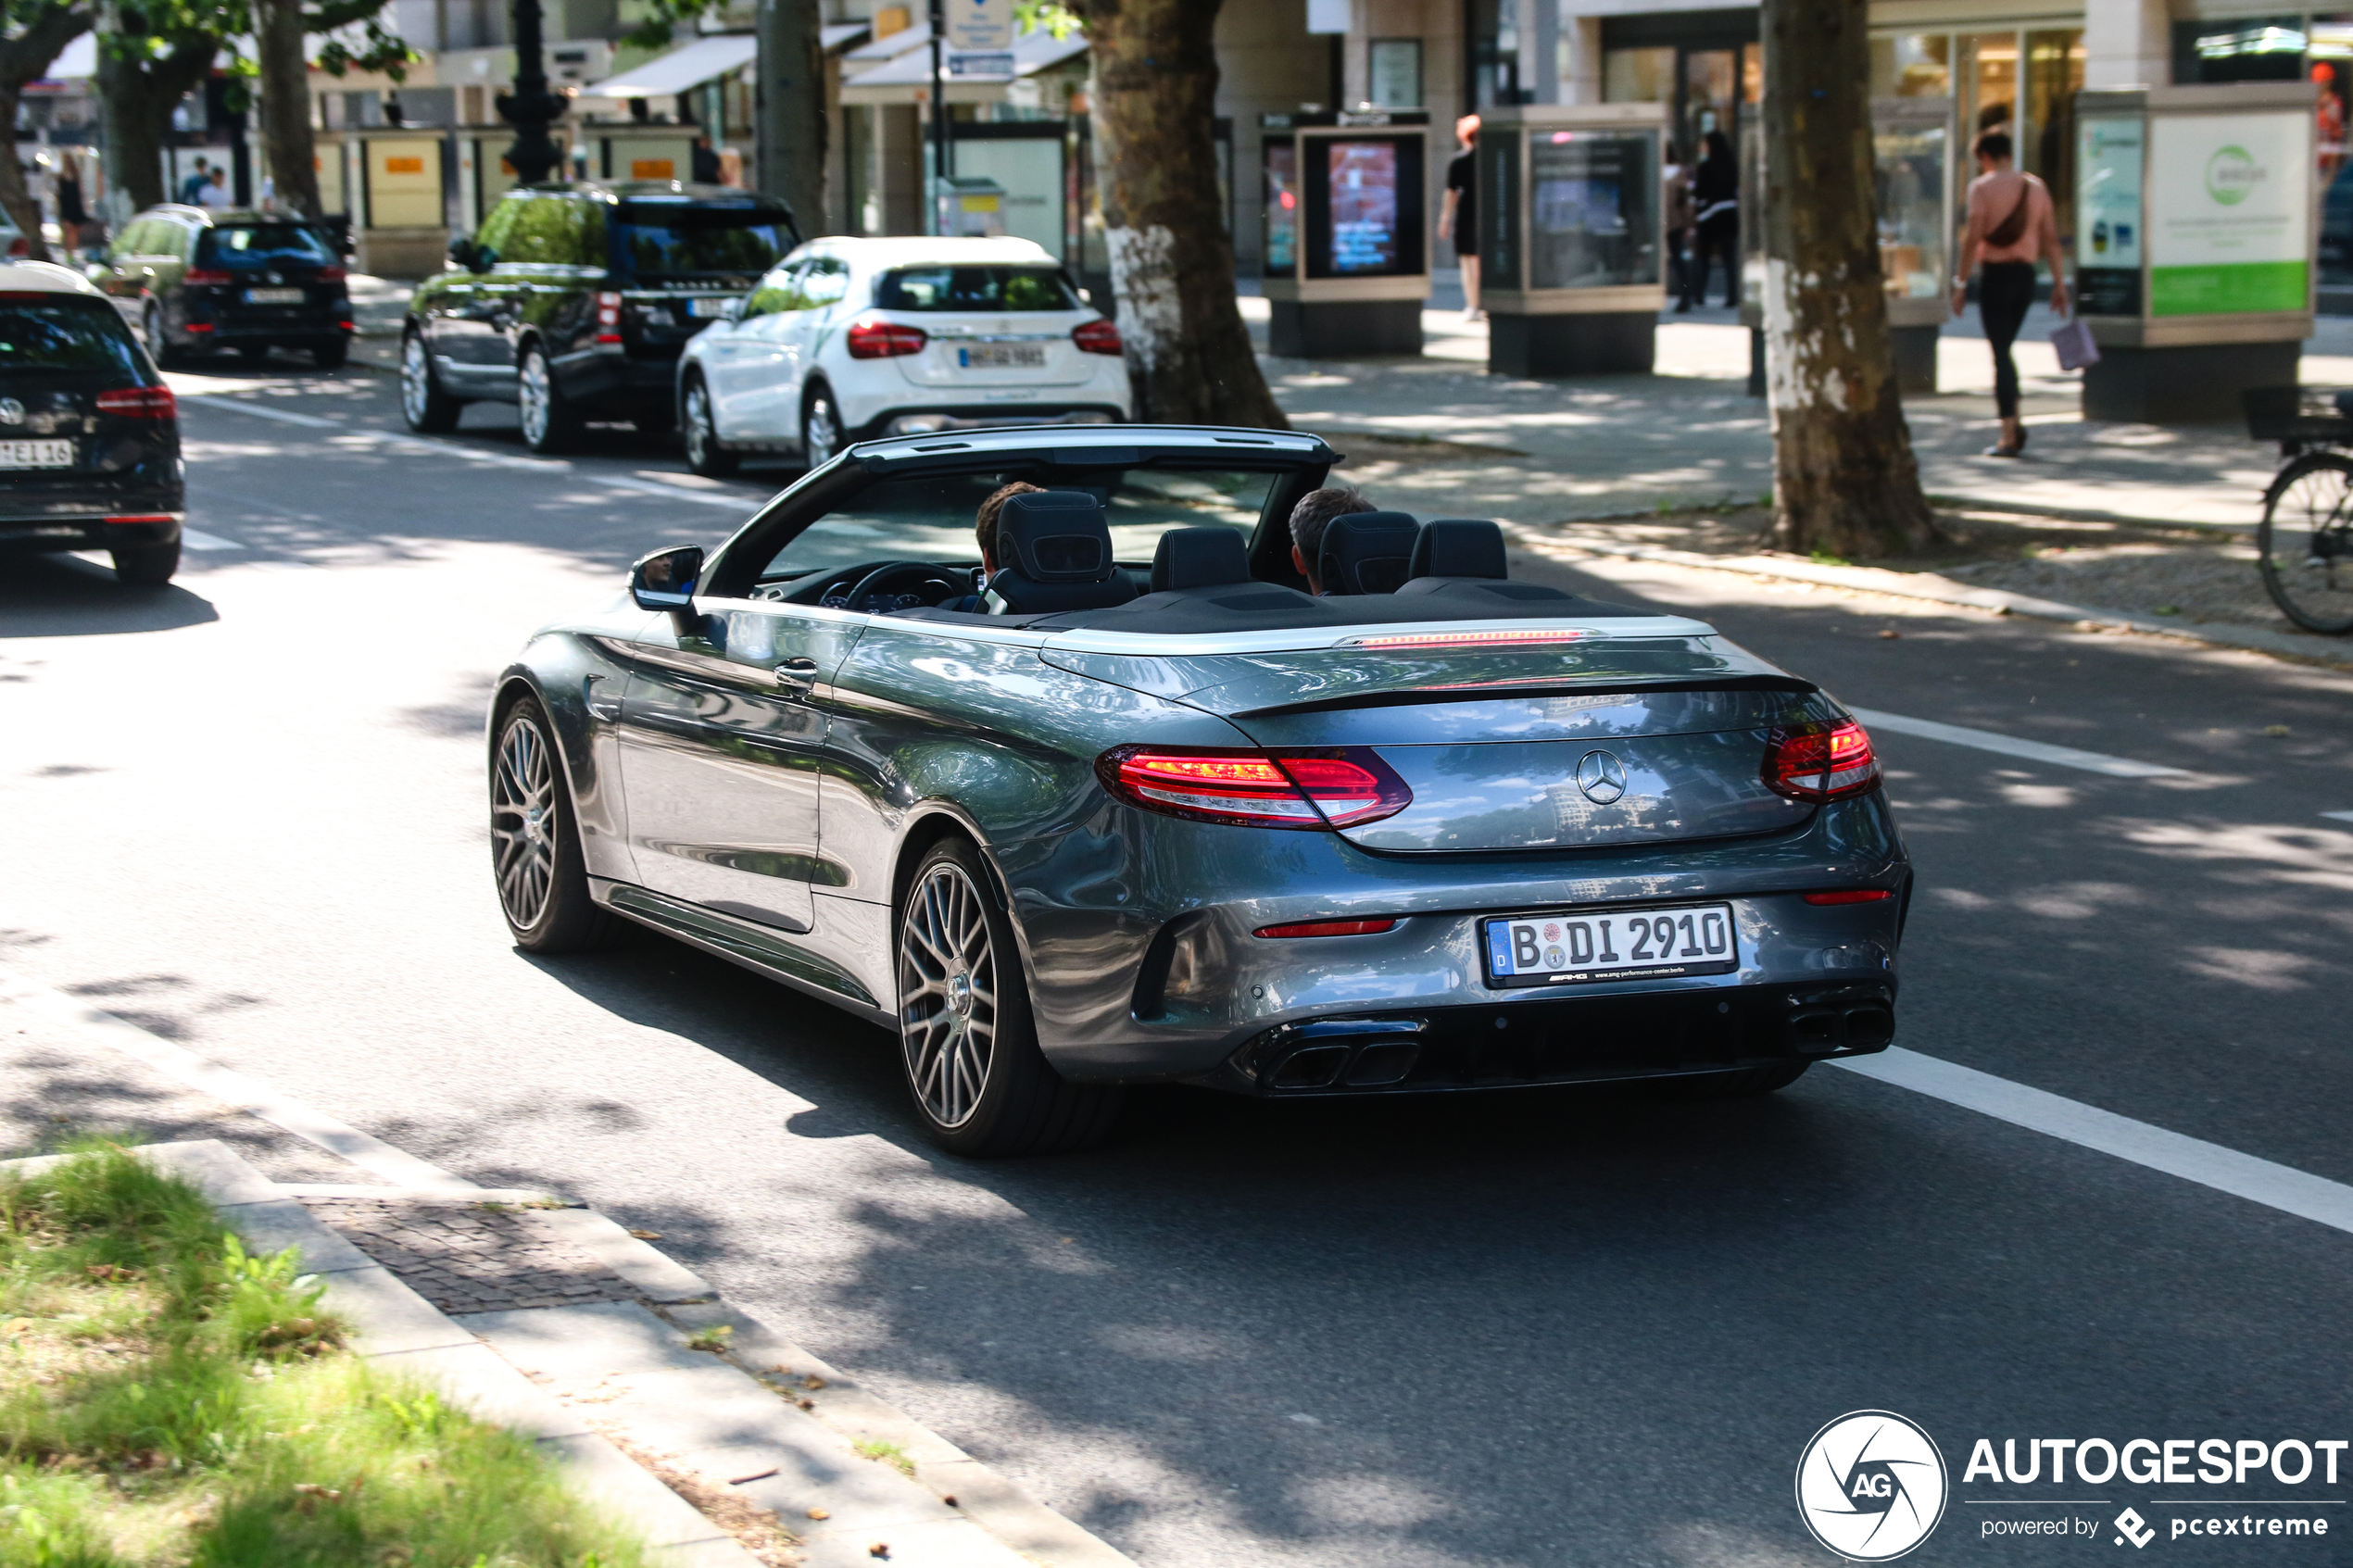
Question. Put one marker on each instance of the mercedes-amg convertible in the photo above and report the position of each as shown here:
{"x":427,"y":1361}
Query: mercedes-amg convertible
{"x":1136,"y":808}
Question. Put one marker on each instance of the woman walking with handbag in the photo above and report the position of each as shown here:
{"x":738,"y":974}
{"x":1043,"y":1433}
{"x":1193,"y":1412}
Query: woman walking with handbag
{"x":2011,"y":225}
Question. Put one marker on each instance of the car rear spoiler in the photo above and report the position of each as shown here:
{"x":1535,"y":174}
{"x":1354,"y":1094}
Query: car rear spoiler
{"x":1490,"y":691}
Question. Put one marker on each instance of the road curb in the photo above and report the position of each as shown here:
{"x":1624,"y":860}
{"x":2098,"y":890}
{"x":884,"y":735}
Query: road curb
{"x":1931,"y":588}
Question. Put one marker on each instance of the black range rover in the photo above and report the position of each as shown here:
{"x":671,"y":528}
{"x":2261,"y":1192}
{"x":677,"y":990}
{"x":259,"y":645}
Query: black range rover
{"x":574,"y":299}
{"x":192,"y":279}
{"x":89,"y":432}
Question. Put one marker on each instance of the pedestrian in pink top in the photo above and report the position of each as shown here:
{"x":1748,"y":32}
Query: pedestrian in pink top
{"x":2011,"y":225}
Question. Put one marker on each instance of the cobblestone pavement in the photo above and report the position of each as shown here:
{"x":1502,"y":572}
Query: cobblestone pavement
{"x":469,"y":1256}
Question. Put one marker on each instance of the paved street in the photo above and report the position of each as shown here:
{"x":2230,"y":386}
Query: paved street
{"x":1552,"y":1328}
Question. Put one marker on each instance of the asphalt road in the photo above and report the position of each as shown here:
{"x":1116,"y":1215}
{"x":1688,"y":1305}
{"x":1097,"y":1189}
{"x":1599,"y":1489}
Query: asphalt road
{"x":1562,"y":1327}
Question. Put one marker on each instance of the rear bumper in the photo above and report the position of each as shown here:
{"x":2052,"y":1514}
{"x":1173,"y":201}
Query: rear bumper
{"x":622,"y":385}
{"x":986,"y":416}
{"x":51,"y":535}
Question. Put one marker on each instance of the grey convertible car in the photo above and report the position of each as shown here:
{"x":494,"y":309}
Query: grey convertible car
{"x":1140,"y":810}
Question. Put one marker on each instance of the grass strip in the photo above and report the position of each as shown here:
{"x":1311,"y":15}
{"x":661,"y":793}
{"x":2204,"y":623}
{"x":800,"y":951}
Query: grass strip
{"x":169,"y":1399}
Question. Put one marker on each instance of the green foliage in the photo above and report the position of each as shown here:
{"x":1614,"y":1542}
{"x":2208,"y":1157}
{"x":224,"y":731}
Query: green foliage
{"x":168,"y":1396}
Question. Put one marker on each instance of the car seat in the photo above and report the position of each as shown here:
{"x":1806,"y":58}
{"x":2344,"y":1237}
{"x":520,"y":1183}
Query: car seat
{"x":1464,"y":559}
{"x":1059,"y":549}
{"x":1366,"y":552}
{"x":1200,"y":558}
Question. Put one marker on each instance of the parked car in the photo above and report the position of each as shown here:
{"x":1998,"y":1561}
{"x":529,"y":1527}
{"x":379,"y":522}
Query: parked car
{"x":193,"y":280}
{"x":1167,"y":818}
{"x":854,"y":338}
{"x":89,"y":432}
{"x":575,"y":297}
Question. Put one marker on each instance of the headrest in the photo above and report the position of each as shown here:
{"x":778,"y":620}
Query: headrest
{"x":1366,"y":552}
{"x":1456,"y":547}
{"x":1200,"y":558}
{"x":1056,"y":537}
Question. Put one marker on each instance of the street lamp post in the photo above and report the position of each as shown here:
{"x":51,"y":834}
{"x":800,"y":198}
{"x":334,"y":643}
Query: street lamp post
{"x":531,"y":108}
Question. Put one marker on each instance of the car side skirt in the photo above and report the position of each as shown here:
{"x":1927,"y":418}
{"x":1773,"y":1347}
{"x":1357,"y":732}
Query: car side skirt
{"x":763,"y":949}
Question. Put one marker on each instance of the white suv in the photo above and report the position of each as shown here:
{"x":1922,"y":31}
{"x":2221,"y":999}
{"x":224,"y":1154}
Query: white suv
{"x":849,"y":338}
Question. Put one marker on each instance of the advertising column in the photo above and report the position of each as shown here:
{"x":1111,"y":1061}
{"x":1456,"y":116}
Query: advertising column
{"x":1347,"y":262}
{"x":2193,"y":245}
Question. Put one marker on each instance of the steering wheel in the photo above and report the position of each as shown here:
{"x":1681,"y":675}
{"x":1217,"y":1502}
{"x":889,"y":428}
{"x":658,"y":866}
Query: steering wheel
{"x":889,"y":574}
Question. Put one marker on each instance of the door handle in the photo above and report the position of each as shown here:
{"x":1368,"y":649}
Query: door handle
{"x":798,"y":674}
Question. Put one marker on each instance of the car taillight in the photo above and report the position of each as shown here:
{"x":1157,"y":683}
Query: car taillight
{"x":139,"y":403}
{"x":1821,"y":761}
{"x":330,"y":274}
{"x":1329,"y":928}
{"x":608,"y":317}
{"x":872,"y":339}
{"x":1097,"y":337}
{"x":1851,"y":896}
{"x":205,"y":275}
{"x":1267,"y":789}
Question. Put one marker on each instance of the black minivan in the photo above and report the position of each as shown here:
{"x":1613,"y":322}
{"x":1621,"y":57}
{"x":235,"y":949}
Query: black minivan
{"x":574,"y":299}
{"x":192,"y":279}
{"x":89,"y":432}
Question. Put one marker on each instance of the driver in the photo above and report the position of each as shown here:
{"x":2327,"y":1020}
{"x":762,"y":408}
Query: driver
{"x":985,"y":529}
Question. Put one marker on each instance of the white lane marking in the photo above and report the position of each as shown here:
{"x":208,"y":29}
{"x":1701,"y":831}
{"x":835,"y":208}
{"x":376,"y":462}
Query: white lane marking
{"x":2338,"y":816}
{"x":2014,"y":746}
{"x":197,"y":539}
{"x":222,"y":1082}
{"x":742,"y":505}
{"x":2193,"y":1160}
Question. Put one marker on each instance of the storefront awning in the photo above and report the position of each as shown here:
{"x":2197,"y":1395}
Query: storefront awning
{"x":681,"y":70}
{"x":896,"y":81}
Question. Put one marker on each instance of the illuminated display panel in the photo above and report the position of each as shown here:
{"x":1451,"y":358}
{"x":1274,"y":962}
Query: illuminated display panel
{"x":1592,"y":209}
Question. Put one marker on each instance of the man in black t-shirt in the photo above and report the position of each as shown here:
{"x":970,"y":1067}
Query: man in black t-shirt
{"x":1458,"y":221}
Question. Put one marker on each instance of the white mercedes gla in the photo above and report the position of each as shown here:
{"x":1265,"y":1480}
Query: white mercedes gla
{"x":849,"y":339}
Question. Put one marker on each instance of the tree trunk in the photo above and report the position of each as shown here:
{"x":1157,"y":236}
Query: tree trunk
{"x":791,"y":146}
{"x":137,"y":99}
{"x":1172,"y":261}
{"x":24,"y":212}
{"x":289,"y":151}
{"x":1845,"y":480}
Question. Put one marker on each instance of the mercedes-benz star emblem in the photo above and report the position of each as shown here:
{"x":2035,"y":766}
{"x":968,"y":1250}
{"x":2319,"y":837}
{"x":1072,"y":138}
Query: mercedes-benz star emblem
{"x":11,"y":411}
{"x":275,"y":279}
{"x":1601,"y":777}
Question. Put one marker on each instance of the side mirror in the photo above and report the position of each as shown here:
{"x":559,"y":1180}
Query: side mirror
{"x":485,"y":257}
{"x":666,"y":579}
{"x":731,"y":309}
{"x":461,"y":254}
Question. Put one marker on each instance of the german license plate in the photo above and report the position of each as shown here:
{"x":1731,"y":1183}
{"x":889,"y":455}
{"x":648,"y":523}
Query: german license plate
{"x":1572,"y":949}
{"x":1002,"y":357}
{"x":701,"y":307}
{"x":274,"y":296}
{"x":36,"y":454}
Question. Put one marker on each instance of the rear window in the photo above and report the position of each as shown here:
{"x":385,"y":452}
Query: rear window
{"x":263,"y":245}
{"x":976,"y":288}
{"x":653,"y":238}
{"x":45,"y":333}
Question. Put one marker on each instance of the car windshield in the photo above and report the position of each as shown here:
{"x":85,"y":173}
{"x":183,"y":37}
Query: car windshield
{"x":976,"y":288}
{"x":930,"y":517}
{"x":262,"y":245}
{"x":652,"y":238}
{"x":46,"y":333}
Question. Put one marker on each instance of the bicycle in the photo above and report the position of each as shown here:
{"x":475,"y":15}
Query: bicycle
{"x":2304,"y":548}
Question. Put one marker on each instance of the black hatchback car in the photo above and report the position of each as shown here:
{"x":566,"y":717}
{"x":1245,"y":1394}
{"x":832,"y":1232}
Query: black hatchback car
{"x":89,"y":432}
{"x":574,"y":299}
{"x":192,"y":279}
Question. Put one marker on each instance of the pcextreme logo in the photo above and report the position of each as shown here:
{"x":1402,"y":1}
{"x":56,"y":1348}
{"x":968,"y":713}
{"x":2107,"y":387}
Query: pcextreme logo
{"x":2232,"y":175}
{"x":1872,"y":1486}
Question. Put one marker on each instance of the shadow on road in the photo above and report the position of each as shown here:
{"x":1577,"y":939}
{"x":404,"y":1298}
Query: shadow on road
{"x":65,"y":596}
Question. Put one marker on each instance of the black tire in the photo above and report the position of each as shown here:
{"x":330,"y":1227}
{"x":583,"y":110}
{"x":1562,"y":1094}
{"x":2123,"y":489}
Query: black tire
{"x":428,"y":408}
{"x":159,"y":344}
{"x":331,"y":352}
{"x":821,"y":431}
{"x":534,"y":841}
{"x":1747,"y":1083}
{"x":706,"y":455}
{"x":965,"y":1010}
{"x":551,"y":423}
{"x":147,"y":566}
{"x":2304,"y":548}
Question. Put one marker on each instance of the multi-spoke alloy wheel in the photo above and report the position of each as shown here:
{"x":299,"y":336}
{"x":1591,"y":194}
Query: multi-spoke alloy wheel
{"x":819,"y":430}
{"x":535,"y":843}
{"x":522,"y":822}
{"x":704,"y":454}
{"x":967,"y":1036}
{"x":423,"y":403}
{"x":550,"y":421}
{"x":948,"y":995}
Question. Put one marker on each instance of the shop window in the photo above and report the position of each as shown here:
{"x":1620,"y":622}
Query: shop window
{"x":1639,"y":75}
{"x":2239,"y":49}
{"x":1912,"y":66}
{"x":1989,"y":83}
{"x":2330,"y":64}
{"x":2054,"y":75}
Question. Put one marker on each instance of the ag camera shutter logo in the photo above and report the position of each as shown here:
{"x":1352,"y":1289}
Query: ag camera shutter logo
{"x":1872,"y":1486}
